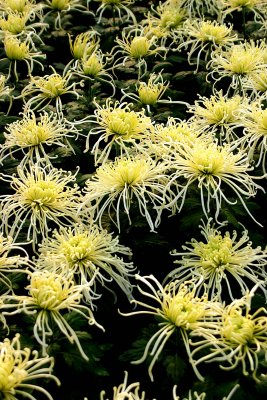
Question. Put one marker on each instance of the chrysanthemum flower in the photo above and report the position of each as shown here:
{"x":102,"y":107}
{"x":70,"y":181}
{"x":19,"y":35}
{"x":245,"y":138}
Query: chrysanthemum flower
{"x":21,"y":366}
{"x":241,"y":337}
{"x":118,"y":125}
{"x":40,"y":194}
{"x":13,"y":259}
{"x":117,"y":185}
{"x":237,"y":63}
{"x":121,"y":7}
{"x":94,"y":67}
{"x":135,"y":46}
{"x":204,"y":37}
{"x":82,"y":250}
{"x":84,"y":44}
{"x":165,"y":21}
{"x":33,"y":133}
{"x":257,"y":7}
{"x":51,"y":296}
{"x":254,"y":140}
{"x":18,"y":50}
{"x":179,"y":309}
{"x":21,"y":24}
{"x":213,"y":168}
{"x":44,"y":90}
{"x":21,"y":6}
{"x":218,"y":259}
{"x":166,"y":139}
{"x":218,"y":114}
{"x":60,"y":7}
{"x":125,"y":391}
{"x":149,"y":93}
{"x":256,"y":84}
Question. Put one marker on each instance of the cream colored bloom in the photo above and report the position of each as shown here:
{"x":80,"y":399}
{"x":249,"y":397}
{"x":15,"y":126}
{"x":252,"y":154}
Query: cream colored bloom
{"x":49,"y":88}
{"x":13,"y":259}
{"x":219,"y":114}
{"x":220,"y":259}
{"x":165,"y":21}
{"x":238,"y":62}
{"x":84,"y":249}
{"x":51,"y":297}
{"x":20,"y":6}
{"x":204,"y":37}
{"x":257,"y":7}
{"x":256,"y":83}
{"x":212,"y":167}
{"x":121,"y":7}
{"x":125,"y":391}
{"x":178,"y":308}
{"x":254,"y":140}
{"x":34,"y":134}
{"x":21,"y":366}
{"x":241,"y":338}
{"x":118,"y":125}
{"x":60,"y":7}
{"x":18,"y":50}
{"x":84,"y":44}
{"x":41,"y":195}
{"x":117,"y":186}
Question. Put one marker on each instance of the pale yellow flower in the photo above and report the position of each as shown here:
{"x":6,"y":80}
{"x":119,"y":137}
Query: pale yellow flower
{"x":241,"y":338}
{"x":34,"y":134}
{"x":204,"y":37}
{"x":117,"y":126}
{"x":238,"y":62}
{"x":117,"y":186}
{"x":20,"y":6}
{"x":257,"y":7}
{"x":13,"y":259}
{"x":21,"y":366}
{"x":219,"y":114}
{"x":84,"y":44}
{"x":40,"y":194}
{"x":135,"y":46}
{"x":60,"y":7}
{"x":125,"y":391}
{"x":121,"y":7}
{"x":220,"y":259}
{"x":21,"y":23}
{"x":20,"y":50}
{"x":165,"y":21}
{"x":43,"y":90}
{"x":178,"y":308}
{"x":51,"y":296}
{"x":254,"y":140}
{"x":82,"y":250}
{"x":212,"y":167}
{"x":256,"y":83}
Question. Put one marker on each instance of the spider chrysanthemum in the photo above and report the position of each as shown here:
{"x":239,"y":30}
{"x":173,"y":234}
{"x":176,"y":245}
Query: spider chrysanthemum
{"x":179,"y":309}
{"x":51,"y":297}
{"x":237,"y":62}
{"x":35,"y":134}
{"x":82,"y":250}
{"x":204,"y":37}
{"x":125,"y":391}
{"x":21,"y":366}
{"x":219,"y":259}
{"x":121,"y":7}
{"x":49,"y":88}
{"x":254,"y":139}
{"x":256,"y":7}
{"x":241,"y":337}
{"x":213,"y":168}
{"x":218,"y":114}
{"x":40,"y":195}
{"x":118,"y":185}
{"x":13,"y":260}
{"x":117,"y":126}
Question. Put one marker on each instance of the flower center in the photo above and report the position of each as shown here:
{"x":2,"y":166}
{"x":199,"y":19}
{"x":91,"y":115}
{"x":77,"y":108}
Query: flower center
{"x":238,"y":329}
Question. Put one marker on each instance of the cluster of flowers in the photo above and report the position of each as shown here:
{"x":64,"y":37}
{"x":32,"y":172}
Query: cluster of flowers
{"x":54,"y":227}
